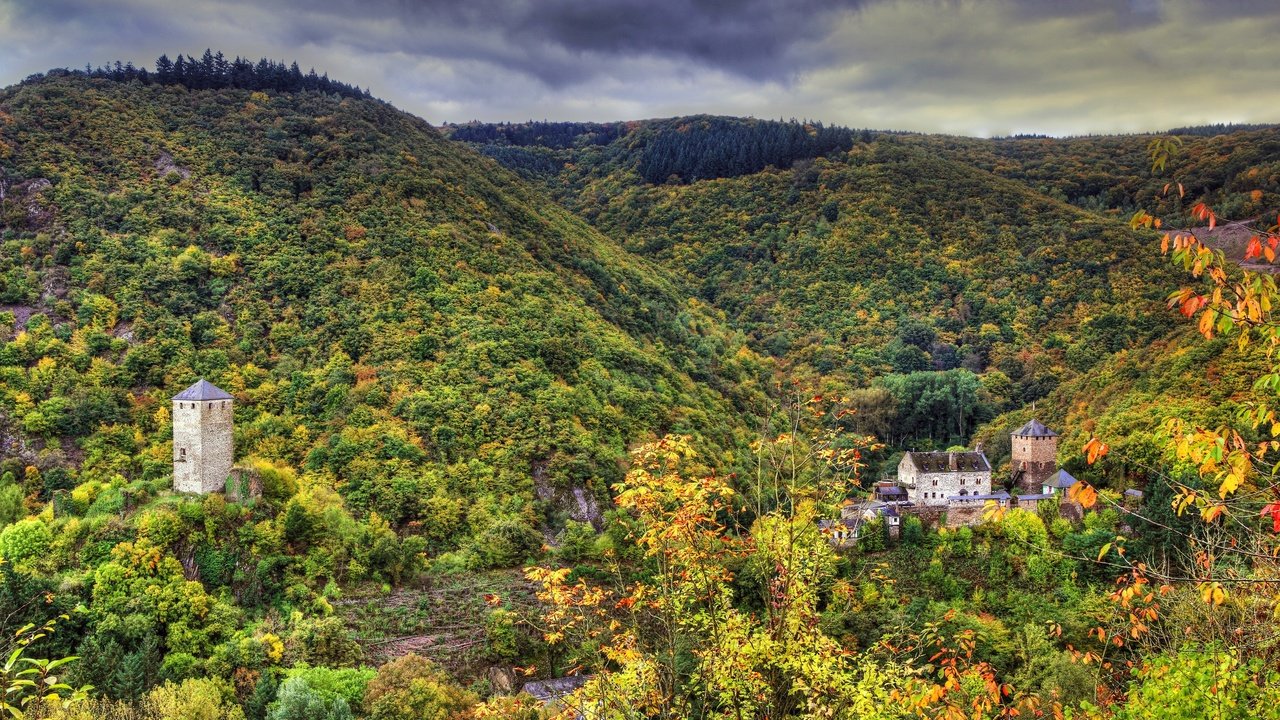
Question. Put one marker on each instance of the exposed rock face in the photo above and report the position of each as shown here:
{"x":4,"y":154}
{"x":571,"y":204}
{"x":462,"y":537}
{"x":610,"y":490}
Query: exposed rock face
{"x":578,"y":502}
{"x":166,"y":166}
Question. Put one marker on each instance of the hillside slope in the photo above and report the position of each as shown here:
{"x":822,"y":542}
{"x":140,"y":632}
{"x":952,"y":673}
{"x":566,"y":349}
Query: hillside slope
{"x":908,"y":255}
{"x":391,"y":310}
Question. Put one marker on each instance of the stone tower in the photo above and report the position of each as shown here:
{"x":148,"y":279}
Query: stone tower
{"x":1035,"y":456}
{"x":202,"y":445}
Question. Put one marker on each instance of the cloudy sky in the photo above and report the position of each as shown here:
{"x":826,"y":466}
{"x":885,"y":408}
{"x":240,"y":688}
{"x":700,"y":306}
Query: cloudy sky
{"x":974,"y":67}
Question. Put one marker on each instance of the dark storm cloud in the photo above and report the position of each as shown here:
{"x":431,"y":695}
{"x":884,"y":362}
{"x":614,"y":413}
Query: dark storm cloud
{"x":549,"y":39}
{"x":972,"y":66}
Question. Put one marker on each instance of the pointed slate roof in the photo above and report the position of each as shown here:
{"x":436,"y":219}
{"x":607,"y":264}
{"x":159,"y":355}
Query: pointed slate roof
{"x":203,"y":390}
{"x":1061,"y":480}
{"x":1034,"y":428}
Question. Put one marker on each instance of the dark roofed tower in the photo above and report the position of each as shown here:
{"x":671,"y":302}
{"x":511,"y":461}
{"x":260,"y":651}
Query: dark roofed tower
{"x":1035,"y":456}
{"x":202,"y":443}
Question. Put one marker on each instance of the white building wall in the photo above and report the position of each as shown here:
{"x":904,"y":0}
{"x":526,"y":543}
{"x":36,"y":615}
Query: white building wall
{"x":934,"y":488}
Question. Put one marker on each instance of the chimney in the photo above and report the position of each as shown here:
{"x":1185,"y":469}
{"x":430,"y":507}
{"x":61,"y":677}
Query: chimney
{"x":951,"y":461}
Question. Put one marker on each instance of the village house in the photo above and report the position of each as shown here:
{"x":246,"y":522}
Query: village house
{"x":930,"y":478}
{"x":958,"y":482}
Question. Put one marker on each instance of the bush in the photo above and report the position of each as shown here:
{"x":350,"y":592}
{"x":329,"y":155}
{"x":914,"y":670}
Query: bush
{"x":413,"y":688}
{"x":24,"y":540}
{"x":323,"y":641}
{"x":912,"y":531}
{"x":330,"y":684}
{"x":577,"y":542}
{"x":500,"y":631}
{"x":297,"y":701}
{"x":10,"y":504}
{"x":506,"y":543}
{"x":195,"y":699}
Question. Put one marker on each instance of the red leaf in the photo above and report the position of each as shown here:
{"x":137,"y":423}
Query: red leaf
{"x":1255,"y":248}
{"x":1274,"y":511}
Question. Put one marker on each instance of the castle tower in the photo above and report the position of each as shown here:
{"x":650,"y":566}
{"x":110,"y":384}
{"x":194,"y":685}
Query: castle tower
{"x":1035,"y":456}
{"x":202,"y":445}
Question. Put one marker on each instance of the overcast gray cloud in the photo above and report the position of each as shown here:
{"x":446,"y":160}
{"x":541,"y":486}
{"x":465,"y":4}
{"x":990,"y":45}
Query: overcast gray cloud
{"x":963,"y":66}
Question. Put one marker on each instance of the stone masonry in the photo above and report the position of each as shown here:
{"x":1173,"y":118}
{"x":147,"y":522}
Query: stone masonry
{"x":203,"y":449}
{"x":932,"y":477}
{"x":1034,"y":457}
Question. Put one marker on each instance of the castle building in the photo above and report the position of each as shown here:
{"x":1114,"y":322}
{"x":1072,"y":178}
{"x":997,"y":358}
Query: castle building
{"x":1034,"y":458}
{"x":202,"y":444}
{"x":932,"y":477}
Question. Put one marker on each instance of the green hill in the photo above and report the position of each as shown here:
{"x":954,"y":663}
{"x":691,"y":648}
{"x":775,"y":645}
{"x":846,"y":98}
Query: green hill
{"x":393,"y":312}
{"x":901,"y":255}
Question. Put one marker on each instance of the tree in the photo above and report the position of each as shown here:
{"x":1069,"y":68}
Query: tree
{"x":26,"y":681}
{"x":678,"y":639}
{"x":413,"y":688}
{"x":297,"y":701}
{"x":195,"y":699}
{"x":1225,"y":480}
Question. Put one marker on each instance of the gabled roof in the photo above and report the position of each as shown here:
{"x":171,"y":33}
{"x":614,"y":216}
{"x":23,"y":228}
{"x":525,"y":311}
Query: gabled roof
{"x":1061,"y":480}
{"x":1034,"y":428}
{"x":1034,"y":496}
{"x":203,"y":390}
{"x":932,"y":462}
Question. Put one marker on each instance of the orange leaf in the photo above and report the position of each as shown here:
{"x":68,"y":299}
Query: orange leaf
{"x":1095,"y":449}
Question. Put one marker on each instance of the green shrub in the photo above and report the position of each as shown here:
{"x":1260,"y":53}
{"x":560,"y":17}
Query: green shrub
{"x":24,"y":540}
{"x":298,"y":701}
{"x":347,"y":684}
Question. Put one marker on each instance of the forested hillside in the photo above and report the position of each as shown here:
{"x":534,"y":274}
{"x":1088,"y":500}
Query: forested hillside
{"x":429,"y":361}
{"x":942,"y":281}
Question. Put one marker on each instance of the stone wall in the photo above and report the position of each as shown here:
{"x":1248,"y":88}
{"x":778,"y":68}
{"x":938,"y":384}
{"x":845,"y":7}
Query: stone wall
{"x":935,"y":488}
{"x":931,"y":515}
{"x":962,"y":514}
{"x":1036,"y":458}
{"x":203,"y":449}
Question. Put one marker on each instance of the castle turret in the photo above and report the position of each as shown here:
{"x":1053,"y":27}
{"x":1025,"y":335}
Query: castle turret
{"x":202,"y":444}
{"x":1035,"y":456}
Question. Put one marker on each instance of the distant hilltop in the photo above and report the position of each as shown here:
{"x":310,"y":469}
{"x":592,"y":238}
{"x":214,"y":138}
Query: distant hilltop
{"x":213,"y":71}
